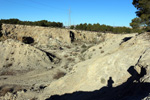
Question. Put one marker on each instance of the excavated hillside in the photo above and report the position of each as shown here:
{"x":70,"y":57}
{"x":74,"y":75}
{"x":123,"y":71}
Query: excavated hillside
{"x":44,"y":35}
{"x":38,"y":63}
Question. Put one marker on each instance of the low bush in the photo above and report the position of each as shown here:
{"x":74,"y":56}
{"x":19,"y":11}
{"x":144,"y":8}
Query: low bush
{"x":83,"y":46}
{"x":71,"y":59}
{"x":43,"y":23}
{"x":7,"y":73}
{"x":59,"y":75}
{"x":102,"y":51}
{"x":7,"y":65}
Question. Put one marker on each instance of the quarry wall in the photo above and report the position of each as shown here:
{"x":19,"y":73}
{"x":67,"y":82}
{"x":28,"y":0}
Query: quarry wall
{"x":44,"y":34}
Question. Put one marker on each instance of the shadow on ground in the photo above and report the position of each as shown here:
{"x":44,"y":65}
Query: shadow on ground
{"x":132,"y":89}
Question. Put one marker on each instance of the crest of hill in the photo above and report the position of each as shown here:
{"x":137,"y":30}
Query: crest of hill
{"x":19,"y":56}
{"x":43,"y":35}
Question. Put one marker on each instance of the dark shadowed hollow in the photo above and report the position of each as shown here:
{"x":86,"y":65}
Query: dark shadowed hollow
{"x":72,"y":36}
{"x":27,"y":40}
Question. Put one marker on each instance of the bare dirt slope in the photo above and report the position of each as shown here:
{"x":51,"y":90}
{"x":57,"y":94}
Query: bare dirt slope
{"x":124,"y":61}
{"x":113,"y":68}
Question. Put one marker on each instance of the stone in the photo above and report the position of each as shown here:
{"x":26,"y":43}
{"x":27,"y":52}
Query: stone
{"x":116,"y":67}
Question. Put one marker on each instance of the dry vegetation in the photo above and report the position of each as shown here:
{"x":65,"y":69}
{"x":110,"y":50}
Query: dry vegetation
{"x":59,"y":75}
{"x":11,"y":89}
{"x":8,"y":73}
{"x":62,"y":57}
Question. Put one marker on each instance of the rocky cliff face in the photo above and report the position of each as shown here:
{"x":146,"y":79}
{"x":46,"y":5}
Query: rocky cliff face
{"x":43,"y":35}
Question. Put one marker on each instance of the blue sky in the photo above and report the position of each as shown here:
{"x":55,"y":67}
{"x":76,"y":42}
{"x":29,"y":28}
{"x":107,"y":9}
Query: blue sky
{"x":109,"y":12}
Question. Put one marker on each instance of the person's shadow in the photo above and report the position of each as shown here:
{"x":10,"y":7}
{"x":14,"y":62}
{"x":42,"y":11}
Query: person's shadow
{"x":110,"y":82}
{"x":132,"y":89}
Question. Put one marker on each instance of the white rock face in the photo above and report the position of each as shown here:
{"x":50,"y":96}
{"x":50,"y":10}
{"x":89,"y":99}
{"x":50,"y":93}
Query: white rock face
{"x":42,"y":35}
{"x":19,"y":56}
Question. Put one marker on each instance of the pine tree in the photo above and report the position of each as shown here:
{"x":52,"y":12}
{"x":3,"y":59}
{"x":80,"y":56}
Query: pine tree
{"x":143,"y":11}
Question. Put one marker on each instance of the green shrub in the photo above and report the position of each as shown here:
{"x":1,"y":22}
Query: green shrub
{"x":83,"y":46}
{"x":43,"y":23}
{"x":72,"y":27}
{"x":102,"y":28}
{"x":100,"y":47}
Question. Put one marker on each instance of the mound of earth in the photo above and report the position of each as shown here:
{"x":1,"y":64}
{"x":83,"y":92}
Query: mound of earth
{"x":116,"y":68}
{"x":25,"y":67}
{"x":19,"y":56}
{"x":121,"y":72}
